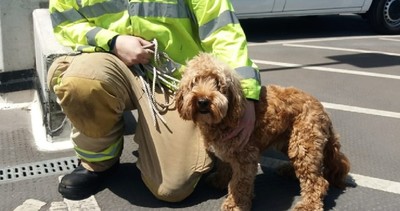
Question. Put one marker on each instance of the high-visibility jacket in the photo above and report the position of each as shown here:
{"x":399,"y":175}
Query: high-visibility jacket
{"x":183,"y":28}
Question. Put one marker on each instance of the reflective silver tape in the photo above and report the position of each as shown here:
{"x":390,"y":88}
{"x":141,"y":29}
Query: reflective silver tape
{"x":248,"y":72}
{"x":107,"y":7}
{"x":225,"y":18}
{"x":91,"y":36}
{"x":141,"y":9}
{"x":157,"y":9}
{"x":69,"y":15}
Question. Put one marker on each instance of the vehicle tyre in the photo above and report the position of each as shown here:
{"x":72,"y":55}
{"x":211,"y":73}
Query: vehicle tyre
{"x":384,"y":16}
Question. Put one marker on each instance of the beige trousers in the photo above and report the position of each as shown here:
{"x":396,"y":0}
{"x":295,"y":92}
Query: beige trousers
{"x":94,"y":90}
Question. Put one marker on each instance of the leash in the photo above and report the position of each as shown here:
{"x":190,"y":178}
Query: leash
{"x":158,"y":74}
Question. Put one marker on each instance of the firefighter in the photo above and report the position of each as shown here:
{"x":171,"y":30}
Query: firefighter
{"x":118,"y":41}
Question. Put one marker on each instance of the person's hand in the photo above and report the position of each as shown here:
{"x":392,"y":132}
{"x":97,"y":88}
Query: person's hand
{"x":246,"y":126}
{"x":131,"y":50}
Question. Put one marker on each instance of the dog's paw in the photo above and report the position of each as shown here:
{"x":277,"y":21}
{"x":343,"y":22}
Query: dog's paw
{"x":233,"y":207}
{"x":301,"y":206}
{"x":230,"y":205}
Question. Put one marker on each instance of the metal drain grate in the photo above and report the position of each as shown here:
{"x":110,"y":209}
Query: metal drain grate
{"x":38,"y":169}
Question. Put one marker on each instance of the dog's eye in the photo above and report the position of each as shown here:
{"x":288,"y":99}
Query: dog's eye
{"x":193,"y":82}
{"x":221,"y":87}
{"x":218,"y":84}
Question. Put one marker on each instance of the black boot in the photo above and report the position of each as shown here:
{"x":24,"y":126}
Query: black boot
{"x":82,"y":183}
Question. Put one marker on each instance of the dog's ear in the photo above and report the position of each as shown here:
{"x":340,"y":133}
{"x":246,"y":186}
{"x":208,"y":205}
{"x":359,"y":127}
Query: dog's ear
{"x":179,"y":99}
{"x":236,"y":97}
{"x":180,"y":103}
{"x":235,"y":90}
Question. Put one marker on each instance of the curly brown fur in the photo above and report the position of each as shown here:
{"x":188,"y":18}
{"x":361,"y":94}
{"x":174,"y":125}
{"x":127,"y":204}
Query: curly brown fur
{"x":287,"y":119}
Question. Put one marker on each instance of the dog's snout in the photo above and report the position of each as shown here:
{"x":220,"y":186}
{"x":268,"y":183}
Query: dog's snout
{"x":203,"y":105}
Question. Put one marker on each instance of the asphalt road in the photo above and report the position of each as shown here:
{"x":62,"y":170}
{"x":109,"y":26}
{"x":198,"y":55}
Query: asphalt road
{"x":338,"y":59}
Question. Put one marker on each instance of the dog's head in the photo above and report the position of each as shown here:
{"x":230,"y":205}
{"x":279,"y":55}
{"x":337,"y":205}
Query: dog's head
{"x":209,"y":92}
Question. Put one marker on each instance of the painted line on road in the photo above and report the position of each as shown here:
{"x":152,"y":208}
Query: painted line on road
{"x":89,"y":204}
{"x":361,"y":110}
{"x":390,"y":39}
{"x":328,"y":69}
{"x":322,"y":40}
{"x":359,"y":180}
{"x":376,"y":183}
{"x":313,"y":40}
{"x":340,"y":49}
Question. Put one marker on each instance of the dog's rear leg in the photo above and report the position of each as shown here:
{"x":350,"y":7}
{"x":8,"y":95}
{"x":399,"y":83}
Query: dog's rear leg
{"x":306,"y":155}
{"x":241,"y":186}
{"x":336,"y":164}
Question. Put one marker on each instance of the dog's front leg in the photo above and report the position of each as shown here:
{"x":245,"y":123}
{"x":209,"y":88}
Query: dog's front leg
{"x":241,"y":186}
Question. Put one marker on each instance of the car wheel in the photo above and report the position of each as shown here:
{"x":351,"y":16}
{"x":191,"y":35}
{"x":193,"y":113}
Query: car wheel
{"x":384,"y":16}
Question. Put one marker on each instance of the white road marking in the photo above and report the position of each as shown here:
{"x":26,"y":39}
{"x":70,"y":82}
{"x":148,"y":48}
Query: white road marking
{"x":359,"y":180}
{"x":377,"y":184}
{"x":327,"y":69}
{"x":312,"y":40}
{"x":390,"y":39}
{"x":30,"y":204}
{"x":323,"y":40}
{"x":89,"y":204}
{"x":361,"y":110}
{"x":58,"y":206}
{"x":340,"y":49}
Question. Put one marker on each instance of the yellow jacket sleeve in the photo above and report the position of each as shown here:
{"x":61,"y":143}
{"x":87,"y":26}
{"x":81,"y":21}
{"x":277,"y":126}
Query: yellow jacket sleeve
{"x":73,"y":30}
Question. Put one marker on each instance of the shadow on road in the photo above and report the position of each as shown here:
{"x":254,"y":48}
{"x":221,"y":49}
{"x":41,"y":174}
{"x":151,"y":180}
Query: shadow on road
{"x":290,"y":28}
{"x":272,"y":192}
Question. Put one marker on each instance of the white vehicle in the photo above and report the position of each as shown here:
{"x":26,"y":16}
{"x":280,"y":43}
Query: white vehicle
{"x":383,"y":15}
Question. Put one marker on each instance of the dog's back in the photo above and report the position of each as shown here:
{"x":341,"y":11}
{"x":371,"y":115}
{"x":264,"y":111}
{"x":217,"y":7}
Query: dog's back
{"x":279,"y":109}
{"x":291,"y":118}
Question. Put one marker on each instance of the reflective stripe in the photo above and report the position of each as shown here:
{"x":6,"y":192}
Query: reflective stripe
{"x":225,"y":18}
{"x":91,"y":36}
{"x":99,"y":9}
{"x":142,"y":9}
{"x":157,"y":9}
{"x":109,"y":153}
{"x":248,"y":72}
{"x":82,"y":48}
{"x":69,"y":15}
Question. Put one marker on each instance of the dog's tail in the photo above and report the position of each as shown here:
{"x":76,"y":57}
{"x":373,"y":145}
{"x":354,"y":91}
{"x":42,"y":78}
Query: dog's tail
{"x":336,"y":164}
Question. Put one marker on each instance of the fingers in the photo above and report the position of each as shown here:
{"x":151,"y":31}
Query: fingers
{"x":149,"y":46}
{"x":149,"y":51}
{"x":133,"y":50}
{"x":145,"y":43}
{"x":145,"y":54}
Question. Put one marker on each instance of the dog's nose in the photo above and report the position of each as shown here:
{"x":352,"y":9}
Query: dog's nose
{"x":203,"y":104}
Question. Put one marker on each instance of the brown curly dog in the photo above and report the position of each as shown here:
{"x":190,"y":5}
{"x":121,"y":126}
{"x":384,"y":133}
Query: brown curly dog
{"x":287,"y":119}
